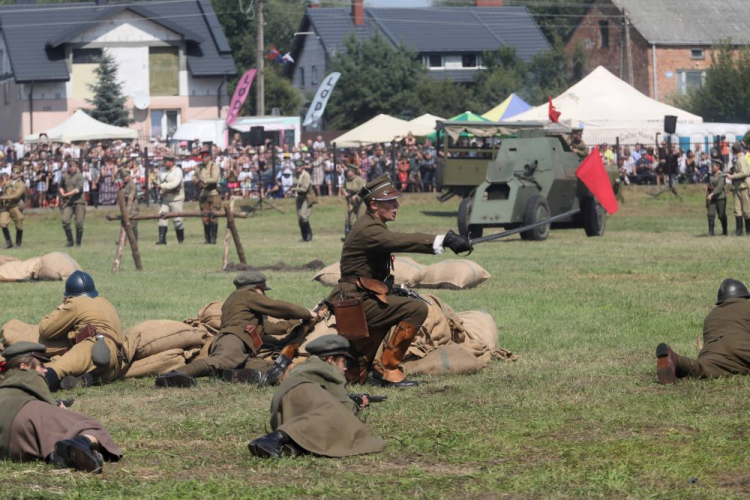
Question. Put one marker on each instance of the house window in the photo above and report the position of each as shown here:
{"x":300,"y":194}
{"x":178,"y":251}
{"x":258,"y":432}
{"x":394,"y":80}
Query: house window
{"x":302,"y":77}
{"x":697,"y":54}
{"x":6,"y":89}
{"x":163,"y":63}
{"x":434,"y":61}
{"x":604,"y":34}
{"x":689,"y":79}
{"x":164,"y":123}
{"x":314,"y":75}
{"x":469,"y":61}
{"x":83,"y":74}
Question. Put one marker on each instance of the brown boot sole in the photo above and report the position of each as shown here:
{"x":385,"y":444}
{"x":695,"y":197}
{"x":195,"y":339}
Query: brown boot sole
{"x":666,"y":371}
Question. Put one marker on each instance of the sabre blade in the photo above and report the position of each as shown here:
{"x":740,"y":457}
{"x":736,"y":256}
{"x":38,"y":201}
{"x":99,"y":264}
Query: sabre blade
{"x":517,"y":230}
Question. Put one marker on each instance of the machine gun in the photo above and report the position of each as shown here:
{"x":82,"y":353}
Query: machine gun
{"x":359,"y":399}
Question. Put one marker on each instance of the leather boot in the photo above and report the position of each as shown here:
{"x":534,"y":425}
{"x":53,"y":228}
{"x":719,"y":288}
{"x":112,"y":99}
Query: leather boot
{"x":387,"y":371}
{"x":162,"y":235}
{"x":77,"y":453}
{"x":53,"y":380}
{"x":215,"y":233}
{"x":242,"y":376}
{"x":19,"y":237}
{"x":206,"y":234}
{"x":747,"y":227}
{"x":302,"y":230}
{"x":175,"y":379}
{"x":738,"y":225}
{"x":79,"y":236}
{"x":180,"y":235}
{"x":711,"y":222}
{"x":268,"y":446}
{"x":666,"y":364}
{"x":723,"y":221}
{"x":8,"y":241}
{"x":308,"y":230}
{"x":69,"y":235}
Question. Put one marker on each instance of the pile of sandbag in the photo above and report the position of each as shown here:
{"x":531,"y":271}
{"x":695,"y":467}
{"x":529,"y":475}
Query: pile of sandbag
{"x":54,"y":266}
{"x":17,"y":331}
{"x":454,"y":274}
{"x":158,"y":346}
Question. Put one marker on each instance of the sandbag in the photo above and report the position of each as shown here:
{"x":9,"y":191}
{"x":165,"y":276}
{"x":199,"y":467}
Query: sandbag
{"x":17,"y":331}
{"x":210,"y":317}
{"x":155,"y":336}
{"x":449,"y":359}
{"x":7,"y":258}
{"x":157,"y":364}
{"x":479,"y":326}
{"x":329,"y":276}
{"x":454,"y":274}
{"x":56,"y":266}
{"x":436,"y":330}
{"x":405,"y":271}
{"x":19,"y":270}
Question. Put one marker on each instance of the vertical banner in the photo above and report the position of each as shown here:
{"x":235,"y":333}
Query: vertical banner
{"x":318,"y":105}
{"x":240,"y":94}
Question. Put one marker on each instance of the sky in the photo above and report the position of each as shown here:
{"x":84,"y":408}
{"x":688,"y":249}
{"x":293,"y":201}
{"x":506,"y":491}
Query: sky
{"x":398,"y":3}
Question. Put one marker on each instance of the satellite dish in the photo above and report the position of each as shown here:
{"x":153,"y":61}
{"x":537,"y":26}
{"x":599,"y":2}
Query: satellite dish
{"x":141,"y":100}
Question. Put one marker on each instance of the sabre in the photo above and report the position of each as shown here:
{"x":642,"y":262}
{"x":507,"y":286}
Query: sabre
{"x":517,"y":230}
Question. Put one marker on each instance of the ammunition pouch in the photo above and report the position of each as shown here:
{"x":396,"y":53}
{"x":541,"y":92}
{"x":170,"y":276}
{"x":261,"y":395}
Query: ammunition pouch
{"x":255,"y":337}
{"x":351,"y":322}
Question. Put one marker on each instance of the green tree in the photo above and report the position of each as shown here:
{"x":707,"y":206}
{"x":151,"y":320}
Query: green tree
{"x":108,"y":99}
{"x":375,"y":78}
{"x":280,"y":93}
{"x":549,"y":72}
{"x":441,"y":97}
{"x":505,"y":74}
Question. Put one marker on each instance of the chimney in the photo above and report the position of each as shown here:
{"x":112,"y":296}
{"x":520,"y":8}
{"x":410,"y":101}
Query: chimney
{"x":489,"y":3}
{"x":313,"y":4}
{"x":358,"y":12}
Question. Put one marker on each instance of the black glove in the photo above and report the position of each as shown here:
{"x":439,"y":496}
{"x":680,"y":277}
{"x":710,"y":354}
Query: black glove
{"x":457,"y":243}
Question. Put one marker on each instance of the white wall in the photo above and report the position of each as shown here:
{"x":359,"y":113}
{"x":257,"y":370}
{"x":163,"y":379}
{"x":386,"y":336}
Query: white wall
{"x":127,"y":27}
{"x":132,"y":68}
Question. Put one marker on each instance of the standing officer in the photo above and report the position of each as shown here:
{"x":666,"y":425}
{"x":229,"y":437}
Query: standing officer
{"x":577,"y":145}
{"x":73,"y":201}
{"x":312,"y":412}
{"x":366,"y":267}
{"x":209,"y":177}
{"x":129,"y":189}
{"x":9,"y":206}
{"x":726,"y":340}
{"x":33,"y":426}
{"x":305,"y":199}
{"x":716,"y":199}
{"x":232,"y":352}
{"x":352,"y":186}
{"x":92,"y":327}
{"x":740,"y":172}
{"x":172,"y":197}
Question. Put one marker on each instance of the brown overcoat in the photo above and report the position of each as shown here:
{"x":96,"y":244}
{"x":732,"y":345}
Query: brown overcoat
{"x":18,"y":388}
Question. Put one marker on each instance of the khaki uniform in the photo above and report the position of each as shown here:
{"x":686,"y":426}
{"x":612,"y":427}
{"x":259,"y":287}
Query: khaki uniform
{"x":353,"y":202}
{"x":233,"y":346}
{"x":740,"y":173}
{"x":726,"y":343}
{"x":305,"y":197}
{"x":73,"y":205}
{"x":367,"y":253}
{"x":172,"y":196}
{"x":580,"y":148}
{"x":67,"y":320}
{"x":311,"y":406}
{"x":9,"y":204}
{"x":31,"y":422}
{"x":717,"y":205}
{"x":210,"y":200}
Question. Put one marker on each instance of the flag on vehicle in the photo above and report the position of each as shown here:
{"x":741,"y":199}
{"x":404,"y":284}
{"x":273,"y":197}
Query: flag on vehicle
{"x":593,"y":174}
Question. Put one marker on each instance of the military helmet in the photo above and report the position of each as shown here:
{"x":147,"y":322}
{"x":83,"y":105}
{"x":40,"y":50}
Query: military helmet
{"x":730,"y":289}
{"x":80,"y":283}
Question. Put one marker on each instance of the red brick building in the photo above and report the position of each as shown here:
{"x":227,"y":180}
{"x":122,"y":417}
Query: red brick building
{"x":663,"y":47}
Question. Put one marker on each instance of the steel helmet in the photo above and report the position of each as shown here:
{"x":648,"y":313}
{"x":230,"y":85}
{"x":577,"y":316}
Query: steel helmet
{"x":730,"y":289}
{"x":80,"y":283}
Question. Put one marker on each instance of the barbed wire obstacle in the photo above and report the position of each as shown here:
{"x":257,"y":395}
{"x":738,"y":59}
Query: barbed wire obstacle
{"x":125,"y":221}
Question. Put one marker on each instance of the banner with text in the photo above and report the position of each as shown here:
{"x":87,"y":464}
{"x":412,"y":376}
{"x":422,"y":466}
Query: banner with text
{"x":240,"y":94}
{"x":318,"y":105}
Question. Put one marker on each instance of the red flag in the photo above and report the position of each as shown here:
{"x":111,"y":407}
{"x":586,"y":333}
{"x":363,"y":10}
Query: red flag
{"x":554,"y":115}
{"x":593,"y":174}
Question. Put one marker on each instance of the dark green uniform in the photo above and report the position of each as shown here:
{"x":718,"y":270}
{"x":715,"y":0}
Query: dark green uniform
{"x":305,"y":200}
{"x":367,"y":253}
{"x":580,"y":148}
{"x":233,"y":346}
{"x":73,"y":205}
{"x":352,"y":187}
{"x":209,"y":199}
{"x":726,"y":343}
{"x":717,"y":204}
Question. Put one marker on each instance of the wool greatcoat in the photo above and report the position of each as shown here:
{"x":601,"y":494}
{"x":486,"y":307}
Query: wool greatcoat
{"x":312,"y":407}
{"x":233,"y":346}
{"x":726,"y":343}
{"x":67,"y":321}
{"x":31,"y":422}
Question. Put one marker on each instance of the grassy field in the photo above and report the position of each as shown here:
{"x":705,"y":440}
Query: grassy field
{"x":578,"y":415}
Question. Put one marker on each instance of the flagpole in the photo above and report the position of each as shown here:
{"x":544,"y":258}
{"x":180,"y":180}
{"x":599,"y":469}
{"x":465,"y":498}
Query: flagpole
{"x":260,"y":102}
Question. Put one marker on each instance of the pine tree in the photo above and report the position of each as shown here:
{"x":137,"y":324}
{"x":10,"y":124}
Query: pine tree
{"x":108,"y":100}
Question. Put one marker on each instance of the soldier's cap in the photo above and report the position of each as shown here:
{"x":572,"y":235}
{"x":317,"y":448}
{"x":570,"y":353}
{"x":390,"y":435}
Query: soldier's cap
{"x":17,"y":169}
{"x":169,"y":156}
{"x":205,"y":152}
{"x":254,"y":279}
{"x":718,"y":162}
{"x":380,"y":189}
{"x":329,"y":345}
{"x":300,"y":163}
{"x":72,"y":161}
{"x":21,"y":349}
{"x":124,"y":173}
{"x":352,"y":166}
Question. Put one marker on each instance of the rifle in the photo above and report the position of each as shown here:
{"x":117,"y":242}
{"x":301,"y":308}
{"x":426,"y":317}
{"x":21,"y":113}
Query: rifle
{"x":359,"y":400}
{"x":291,"y":344}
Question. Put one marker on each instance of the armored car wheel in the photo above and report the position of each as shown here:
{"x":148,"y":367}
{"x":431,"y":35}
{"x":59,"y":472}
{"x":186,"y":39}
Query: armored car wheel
{"x":594,"y":217}
{"x":537,"y":209}
{"x":464,"y":215}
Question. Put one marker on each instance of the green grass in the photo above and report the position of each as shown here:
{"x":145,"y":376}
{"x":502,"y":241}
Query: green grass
{"x":578,"y":415}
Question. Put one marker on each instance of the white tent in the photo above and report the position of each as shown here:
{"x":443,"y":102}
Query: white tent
{"x":424,"y":125}
{"x":603,"y":100}
{"x":81,"y":127}
{"x":382,"y":128}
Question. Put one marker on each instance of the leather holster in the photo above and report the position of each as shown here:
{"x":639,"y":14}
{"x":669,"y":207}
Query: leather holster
{"x":376,"y":288}
{"x":351,"y":322}
{"x":252,"y":330}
